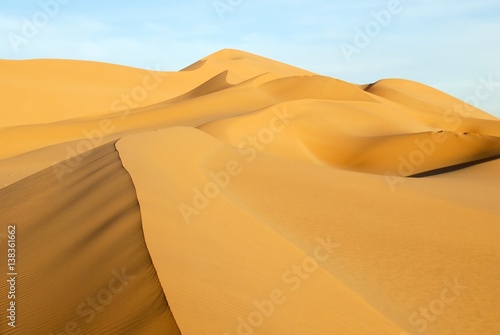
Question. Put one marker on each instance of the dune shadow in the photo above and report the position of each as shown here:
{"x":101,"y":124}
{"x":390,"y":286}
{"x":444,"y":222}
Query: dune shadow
{"x":452,"y":168}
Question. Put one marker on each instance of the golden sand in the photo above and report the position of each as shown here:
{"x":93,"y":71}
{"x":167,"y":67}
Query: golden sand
{"x":246,"y":196}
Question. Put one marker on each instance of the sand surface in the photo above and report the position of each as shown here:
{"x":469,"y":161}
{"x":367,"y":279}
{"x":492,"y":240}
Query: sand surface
{"x":246,"y":196}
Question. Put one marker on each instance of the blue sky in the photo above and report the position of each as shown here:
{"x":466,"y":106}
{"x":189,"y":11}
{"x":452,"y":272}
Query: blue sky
{"x":450,"y":45}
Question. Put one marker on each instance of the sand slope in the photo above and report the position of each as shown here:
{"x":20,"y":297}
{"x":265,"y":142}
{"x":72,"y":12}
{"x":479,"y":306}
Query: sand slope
{"x":229,"y":258}
{"x":83,"y":266}
{"x":391,"y":254}
{"x":272,"y":200}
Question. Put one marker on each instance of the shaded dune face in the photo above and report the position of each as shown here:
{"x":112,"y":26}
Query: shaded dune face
{"x":82,"y":262}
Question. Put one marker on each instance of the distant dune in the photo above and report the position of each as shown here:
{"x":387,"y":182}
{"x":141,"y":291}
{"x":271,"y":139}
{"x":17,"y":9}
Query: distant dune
{"x":241,"y":195}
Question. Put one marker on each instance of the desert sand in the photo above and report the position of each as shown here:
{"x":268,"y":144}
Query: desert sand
{"x":242,"y":195}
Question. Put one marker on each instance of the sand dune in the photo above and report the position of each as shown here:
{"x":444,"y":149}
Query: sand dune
{"x":246,"y":196}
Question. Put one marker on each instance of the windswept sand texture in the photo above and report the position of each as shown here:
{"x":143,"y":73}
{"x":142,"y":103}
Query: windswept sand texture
{"x":272,"y":201}
{"x":81,"y":257}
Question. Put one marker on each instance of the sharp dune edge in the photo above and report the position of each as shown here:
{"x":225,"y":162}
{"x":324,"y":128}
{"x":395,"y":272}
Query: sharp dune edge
{"x":246,"y":196}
